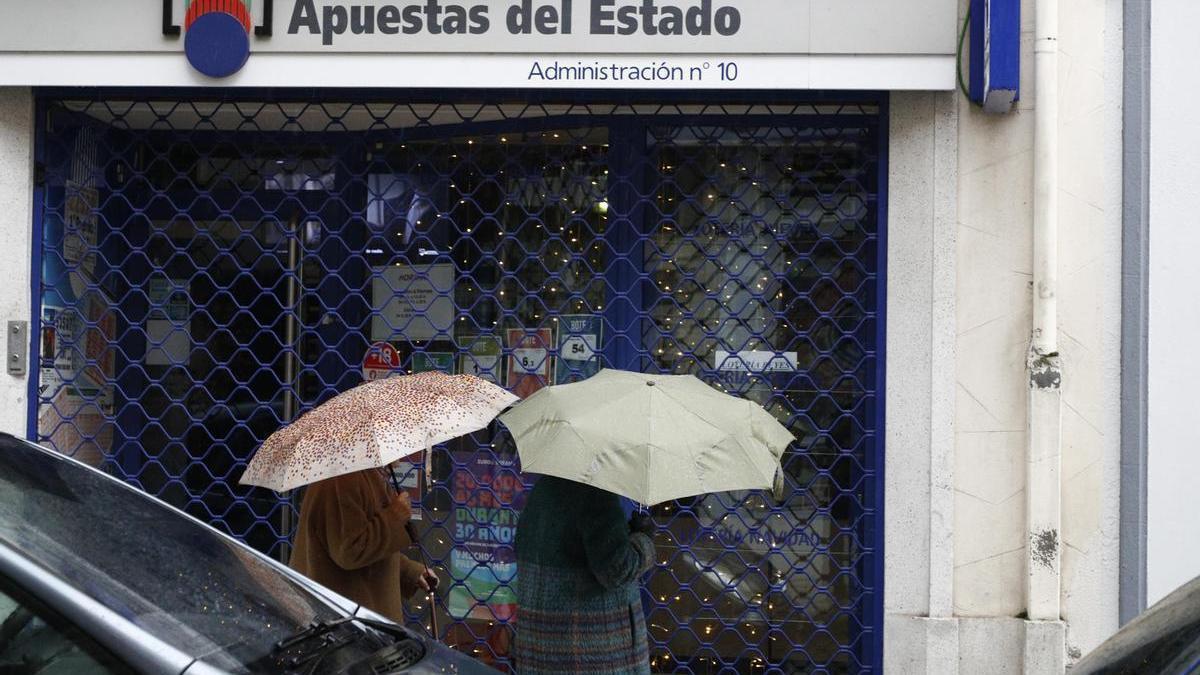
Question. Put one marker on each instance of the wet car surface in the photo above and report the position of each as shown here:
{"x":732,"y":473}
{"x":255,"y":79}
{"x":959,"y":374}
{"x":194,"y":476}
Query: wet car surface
{"x":96,"y":576}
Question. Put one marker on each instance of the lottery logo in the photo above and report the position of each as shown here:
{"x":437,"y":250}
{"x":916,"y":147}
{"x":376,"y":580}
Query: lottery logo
{"x":217,"y":36}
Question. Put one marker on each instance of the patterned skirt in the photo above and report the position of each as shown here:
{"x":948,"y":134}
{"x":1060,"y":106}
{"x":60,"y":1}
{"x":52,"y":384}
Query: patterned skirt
{"x":613,"y":643}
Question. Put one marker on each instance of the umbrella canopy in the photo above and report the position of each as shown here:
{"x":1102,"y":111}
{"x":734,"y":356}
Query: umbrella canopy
{"x":373,"y":425}
{"x":652,"y":438}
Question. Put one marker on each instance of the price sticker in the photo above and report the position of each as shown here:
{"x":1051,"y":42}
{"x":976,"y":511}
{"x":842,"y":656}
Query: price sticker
{"x":579,"y":347}
{"x":531,"y":361}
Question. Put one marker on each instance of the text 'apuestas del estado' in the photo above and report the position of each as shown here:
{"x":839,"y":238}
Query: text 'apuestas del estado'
{"x":522,"y":17}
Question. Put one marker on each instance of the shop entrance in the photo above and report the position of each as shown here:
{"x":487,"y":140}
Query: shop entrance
{"x":212,"y":268}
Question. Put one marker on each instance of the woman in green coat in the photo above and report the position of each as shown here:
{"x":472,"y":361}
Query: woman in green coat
{"x":578,"y":565}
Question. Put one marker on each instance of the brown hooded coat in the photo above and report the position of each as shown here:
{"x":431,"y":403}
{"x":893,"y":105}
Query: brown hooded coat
{"x":350,"y":539}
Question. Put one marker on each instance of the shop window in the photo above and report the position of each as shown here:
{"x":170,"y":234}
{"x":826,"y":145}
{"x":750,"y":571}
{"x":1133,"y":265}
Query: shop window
{"x":212,"y":269}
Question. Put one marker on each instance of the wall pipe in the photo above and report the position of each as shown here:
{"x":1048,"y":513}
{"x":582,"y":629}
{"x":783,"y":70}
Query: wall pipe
{"x":1044,"y":458}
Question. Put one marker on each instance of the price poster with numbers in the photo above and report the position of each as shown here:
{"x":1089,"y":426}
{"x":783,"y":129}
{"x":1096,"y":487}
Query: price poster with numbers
{"x":579,"y":337}
{"x":482,"y":357}
{"x":530,"y":364}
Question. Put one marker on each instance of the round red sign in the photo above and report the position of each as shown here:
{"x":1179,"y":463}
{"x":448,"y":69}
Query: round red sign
{"x":381,"y":360}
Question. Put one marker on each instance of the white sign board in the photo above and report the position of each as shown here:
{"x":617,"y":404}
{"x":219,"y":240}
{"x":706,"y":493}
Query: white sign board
{"x":687,"y":44}
{"x":412,"y":302}
{"x":755,"y":362}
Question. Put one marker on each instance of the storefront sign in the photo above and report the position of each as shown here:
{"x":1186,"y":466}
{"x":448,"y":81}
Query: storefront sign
{"x":770,"y":44}
{"x":412,"y":302}
{"x":488,"y":496}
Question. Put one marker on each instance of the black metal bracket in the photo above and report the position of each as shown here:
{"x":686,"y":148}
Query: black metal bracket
{"x":169,"y":27}
{"x":268,"y":19}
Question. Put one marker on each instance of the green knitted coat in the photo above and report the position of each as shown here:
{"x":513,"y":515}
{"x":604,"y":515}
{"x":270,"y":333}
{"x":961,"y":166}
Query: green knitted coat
{"x":579,"y":607}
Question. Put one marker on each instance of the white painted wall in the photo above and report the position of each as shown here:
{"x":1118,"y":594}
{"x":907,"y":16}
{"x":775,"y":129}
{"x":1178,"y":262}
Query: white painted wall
{"x":1173,"y":537}
{"x":1089,"y":315}
{"x":16,"y":211}
{"x":992,"y":305}
{"x":920,"y":631}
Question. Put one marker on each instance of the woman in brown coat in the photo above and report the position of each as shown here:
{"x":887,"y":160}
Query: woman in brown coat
{"x":351,"y":537}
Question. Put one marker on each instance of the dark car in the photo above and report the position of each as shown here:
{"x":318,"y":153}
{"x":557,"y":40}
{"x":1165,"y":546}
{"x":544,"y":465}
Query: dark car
{"x":96,"y":576}
{"x":1163,"y":639}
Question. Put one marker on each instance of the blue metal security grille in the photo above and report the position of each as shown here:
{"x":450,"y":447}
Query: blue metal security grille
{"x":212,"y":267}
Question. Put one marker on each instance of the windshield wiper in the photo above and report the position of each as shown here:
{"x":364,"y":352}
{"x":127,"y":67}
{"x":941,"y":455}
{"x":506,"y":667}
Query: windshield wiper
{"x":292,"y":652}
{"x":317,"y":629}
{"x":323,"y":633}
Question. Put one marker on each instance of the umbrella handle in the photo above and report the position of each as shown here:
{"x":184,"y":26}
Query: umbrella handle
{"x":431,"y":596}
{"x":411,"y":531}
{"x":412,"y":535}
{"x":395,"y":481}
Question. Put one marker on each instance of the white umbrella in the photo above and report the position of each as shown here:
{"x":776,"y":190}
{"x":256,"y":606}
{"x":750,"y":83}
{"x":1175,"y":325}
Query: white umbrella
{"x":373,"y":425}
{"x":651,"y":438}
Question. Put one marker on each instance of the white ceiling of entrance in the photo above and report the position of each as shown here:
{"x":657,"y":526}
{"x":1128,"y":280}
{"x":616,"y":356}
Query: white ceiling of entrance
{"x":317,"y":117}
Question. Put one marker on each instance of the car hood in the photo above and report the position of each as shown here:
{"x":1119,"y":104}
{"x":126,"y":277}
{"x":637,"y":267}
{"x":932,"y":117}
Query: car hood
{"x":1163,"y":639}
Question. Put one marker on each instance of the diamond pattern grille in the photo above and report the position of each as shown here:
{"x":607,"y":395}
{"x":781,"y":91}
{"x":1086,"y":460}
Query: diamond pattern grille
{"x":213,"y":268}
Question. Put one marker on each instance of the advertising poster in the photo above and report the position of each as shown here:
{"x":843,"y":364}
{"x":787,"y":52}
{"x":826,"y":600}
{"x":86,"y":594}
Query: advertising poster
{"x":579,"y":338}
{"x":482,"y":358}
{"x":99,"y":337}
{"x":80,"y":234}
{"x":77,"y":363}
{"x":488,"y":494}
{"x":412,"y":302}
{"x":530,"y":364}
{"x":168,"y":330}
{"x":424,"y":362}
{"x":76,"y":398}
{"x":56,"y":363}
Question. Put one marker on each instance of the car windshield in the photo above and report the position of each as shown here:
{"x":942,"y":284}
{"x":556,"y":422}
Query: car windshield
{"x":181,"y":582}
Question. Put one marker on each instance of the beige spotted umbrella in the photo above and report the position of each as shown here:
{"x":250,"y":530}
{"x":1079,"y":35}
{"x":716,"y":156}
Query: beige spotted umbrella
{"x":373,"y":425}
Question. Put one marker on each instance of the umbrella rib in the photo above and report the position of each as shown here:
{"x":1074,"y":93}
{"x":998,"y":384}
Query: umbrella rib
{"x":649,"y":446}
{"x":745,"y":452}
{"x":683,"y":405}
